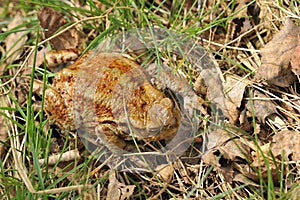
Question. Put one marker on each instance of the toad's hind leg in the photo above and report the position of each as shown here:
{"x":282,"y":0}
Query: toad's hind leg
{"x":56,"y":57}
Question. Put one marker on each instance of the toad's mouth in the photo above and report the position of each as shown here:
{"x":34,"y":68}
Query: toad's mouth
{"x":153,"y":135}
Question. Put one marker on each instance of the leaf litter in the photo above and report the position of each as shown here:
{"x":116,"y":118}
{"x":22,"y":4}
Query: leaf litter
{"x":277,"y":54}
{"x":233,"y":152}
{"x":15,"y":41}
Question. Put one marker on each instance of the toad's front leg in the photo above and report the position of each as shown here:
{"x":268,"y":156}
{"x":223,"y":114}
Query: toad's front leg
{"x":57,"y":111}
{"x":107,"y":134}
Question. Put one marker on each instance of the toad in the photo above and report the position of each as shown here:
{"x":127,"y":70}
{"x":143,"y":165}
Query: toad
{"x":107,"y":97}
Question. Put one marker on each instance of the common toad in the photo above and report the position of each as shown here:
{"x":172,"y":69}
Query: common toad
{"x":110,"y":97}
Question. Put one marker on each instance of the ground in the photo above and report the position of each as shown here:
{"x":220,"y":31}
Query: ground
{"x":249,"y":75}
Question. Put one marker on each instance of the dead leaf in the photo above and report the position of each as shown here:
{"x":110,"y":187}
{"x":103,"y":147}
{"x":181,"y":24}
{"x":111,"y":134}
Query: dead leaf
{"x":277,"y":122}
{"x":15,"y":41}
{"x":224,"y":150}
{"x":227,"y":172}
{"x":242,"y":7}
{"x":214,"y":81}
{"x":231,"y":111}
{"x":234,"y":90}
{"x":165,"y":171}
{"x":262,"y":106}
{"x":287,"y":142}
{"x":200,"y":87}
{"x":40,"y":57}
{"x":295,"y":62}
{"x":117,"y":190}
{"x":226,"y":143}
{"x":276,"y":56}
{"x":259,"y":161}
{"x":244,"y":179}
{"x":52,"y":21}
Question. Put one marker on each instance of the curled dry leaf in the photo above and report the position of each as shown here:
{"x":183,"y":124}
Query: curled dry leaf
{"x":52,"y":21}
{"x":262,"y":106}
{"x":214,"y":89}
{"x":117,"y":190}
{"x":15,"y":41}
{"x":276,"y":56}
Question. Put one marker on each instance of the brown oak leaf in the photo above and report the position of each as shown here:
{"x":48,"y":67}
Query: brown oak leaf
{"x":276,"y":56}
{"x":288,"y":142}
{"x":52,"y":21}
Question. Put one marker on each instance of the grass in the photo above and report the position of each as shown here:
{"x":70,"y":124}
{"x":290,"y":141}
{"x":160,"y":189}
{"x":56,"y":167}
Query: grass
{"x":31,"y":138}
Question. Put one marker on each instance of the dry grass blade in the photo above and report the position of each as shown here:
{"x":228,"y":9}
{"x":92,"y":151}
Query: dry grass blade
{"x":3,"y":124}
